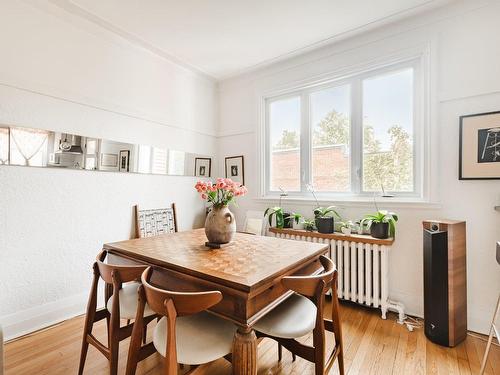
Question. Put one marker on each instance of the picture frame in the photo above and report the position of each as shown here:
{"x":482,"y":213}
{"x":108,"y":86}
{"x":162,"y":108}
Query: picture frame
{"x":203,"y":167}
{"x":235,"y":168}
{"x":109,"y":160}
{"x":479,"y":146}
{"x":124,"y":161}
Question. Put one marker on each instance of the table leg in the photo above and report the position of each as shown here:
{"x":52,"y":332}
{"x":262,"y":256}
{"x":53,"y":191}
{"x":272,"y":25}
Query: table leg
{"x":245,"y":352}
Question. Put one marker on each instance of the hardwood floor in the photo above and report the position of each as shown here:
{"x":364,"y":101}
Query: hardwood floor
{"x":372,"y":346}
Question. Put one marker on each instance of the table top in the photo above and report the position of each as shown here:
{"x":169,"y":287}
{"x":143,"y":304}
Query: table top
{"x":248,"y":262}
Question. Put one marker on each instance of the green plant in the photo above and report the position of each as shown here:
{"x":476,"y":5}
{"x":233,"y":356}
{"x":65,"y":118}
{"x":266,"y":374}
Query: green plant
{"x":381,"y":216}
{"x":277,"y":212}
{"x":326,"y":211}
{"x":309,"y":225}
{"x":296,"y":217}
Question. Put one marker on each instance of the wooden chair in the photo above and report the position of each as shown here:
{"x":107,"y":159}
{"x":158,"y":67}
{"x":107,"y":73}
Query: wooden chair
{"x":149,"y":223}
{"x":302,"y":313}
{"x":121,"y":303}
{"x":186,"y":334}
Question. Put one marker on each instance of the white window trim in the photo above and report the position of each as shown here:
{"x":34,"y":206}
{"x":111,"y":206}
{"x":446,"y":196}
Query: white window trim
{"x":420,"y":62}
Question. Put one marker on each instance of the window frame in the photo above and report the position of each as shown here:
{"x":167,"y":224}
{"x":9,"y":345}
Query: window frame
{"x":355,"y":82}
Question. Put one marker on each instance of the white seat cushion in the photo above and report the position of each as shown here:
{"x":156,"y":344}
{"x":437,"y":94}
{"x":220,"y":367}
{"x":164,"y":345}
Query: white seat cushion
{"x":128,"y":302}
{"x":201,"y":338}
{"x":293,"y":318}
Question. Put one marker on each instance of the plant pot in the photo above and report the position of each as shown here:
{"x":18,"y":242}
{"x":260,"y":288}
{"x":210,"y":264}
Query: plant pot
{"x":346,"y":230}
{"x":325,"y":224}
{"x":380,"y":230}
{"x":287,"y":220}
{"x":220,"y":225}
{"x":299,"y":225}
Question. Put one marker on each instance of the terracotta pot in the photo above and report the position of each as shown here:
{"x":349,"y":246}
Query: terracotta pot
{"x":220,"y":225}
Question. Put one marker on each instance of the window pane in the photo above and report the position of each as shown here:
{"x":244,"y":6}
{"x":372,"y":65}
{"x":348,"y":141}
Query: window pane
{"x":388,"y":132}
{"x":330,"y":122}
{"x":284,"y":130}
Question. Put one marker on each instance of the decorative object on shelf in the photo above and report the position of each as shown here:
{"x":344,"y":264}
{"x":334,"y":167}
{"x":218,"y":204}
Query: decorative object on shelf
{"x":382,"y":224}
{"x":346,"y":227}
{"x":278,"y":214}
{"x":235,"y":169}
{"x":297,"y":221}
{"x":124,"y":160}
{"x":220,"y":224}
{"x":480,"y":147}
{"x":203,"y":167}
{"x":309,"y":225}
{"x":324,"y":219}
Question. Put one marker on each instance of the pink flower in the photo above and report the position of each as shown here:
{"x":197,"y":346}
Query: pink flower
{"x":204,"y":196}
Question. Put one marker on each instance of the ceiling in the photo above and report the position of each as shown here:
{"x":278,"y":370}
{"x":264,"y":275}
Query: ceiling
{"x":223,"y":38}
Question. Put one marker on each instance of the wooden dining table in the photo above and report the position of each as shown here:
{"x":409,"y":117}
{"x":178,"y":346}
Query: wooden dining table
{"x":248,"y":272}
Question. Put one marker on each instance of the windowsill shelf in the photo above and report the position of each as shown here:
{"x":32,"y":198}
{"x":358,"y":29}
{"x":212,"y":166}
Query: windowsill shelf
{"x":347,"y":202}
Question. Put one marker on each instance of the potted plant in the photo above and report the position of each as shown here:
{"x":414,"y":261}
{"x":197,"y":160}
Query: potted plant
{"x":324,"y":219}
{"x":277,"y":213}
{"x":220,"y":225}
{"x":346,"y":227}
{"x":382,"y":224}
{"x":297,"y":221}
{"x":309,"y":225}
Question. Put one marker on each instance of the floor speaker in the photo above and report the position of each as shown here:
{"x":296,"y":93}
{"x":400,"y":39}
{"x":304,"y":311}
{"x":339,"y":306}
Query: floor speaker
{"x":445,"y":282}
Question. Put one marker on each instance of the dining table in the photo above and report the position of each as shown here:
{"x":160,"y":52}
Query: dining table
{"x":247,"y":272}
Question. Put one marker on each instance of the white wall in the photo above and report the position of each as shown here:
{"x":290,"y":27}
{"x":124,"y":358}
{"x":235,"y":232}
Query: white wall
{"x":464,"y":45}
{"x":61,"y":73}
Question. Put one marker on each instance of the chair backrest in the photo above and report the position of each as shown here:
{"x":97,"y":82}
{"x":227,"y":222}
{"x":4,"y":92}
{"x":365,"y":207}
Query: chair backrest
{"x":255,"y":223}
{"x":315,"y":285}
{"x":185,"y":303}
{"x":153,"y":222}
{"x":117,"y":274}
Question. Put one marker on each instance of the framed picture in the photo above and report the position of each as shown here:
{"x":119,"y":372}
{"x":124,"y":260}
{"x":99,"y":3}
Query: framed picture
{"x":109,"y":160}
{"x":124,"y":160}
{"x":202,"y":167}
{"x":480,"y":147}
{"x":235,"y":169}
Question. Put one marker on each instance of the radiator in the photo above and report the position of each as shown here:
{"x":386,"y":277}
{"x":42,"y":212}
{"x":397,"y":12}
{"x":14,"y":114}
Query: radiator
{"x":363,"y":267}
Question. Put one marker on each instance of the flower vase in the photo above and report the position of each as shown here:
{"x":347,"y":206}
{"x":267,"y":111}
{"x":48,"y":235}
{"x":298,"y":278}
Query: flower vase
{"x":220,"y":225}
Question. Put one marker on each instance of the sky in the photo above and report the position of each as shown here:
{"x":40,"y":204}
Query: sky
{"x":387,"y":100}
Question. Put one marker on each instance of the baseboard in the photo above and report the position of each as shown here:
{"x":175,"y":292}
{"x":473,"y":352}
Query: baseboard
{"x":39,"y":317}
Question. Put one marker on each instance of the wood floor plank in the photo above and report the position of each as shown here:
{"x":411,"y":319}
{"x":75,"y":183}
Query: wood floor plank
{"x":372,"y":346}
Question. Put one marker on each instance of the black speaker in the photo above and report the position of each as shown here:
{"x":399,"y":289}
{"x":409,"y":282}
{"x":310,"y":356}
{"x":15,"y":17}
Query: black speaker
{"x":445,"y":296}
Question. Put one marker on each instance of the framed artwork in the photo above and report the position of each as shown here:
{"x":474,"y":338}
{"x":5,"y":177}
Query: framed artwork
{"x":479,"y":147}
{"x":235,"y":169}
{"x":109,"y":160}
{"x":124,"y":160}
{"x":202,"y":167}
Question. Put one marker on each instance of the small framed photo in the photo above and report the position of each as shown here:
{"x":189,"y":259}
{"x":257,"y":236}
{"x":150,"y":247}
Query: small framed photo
{"x":479,"y":147}
{"x":124,"y":161}
{"x":202,"y":167}
{"x":109,"y":160}
{"x":235,"y":169}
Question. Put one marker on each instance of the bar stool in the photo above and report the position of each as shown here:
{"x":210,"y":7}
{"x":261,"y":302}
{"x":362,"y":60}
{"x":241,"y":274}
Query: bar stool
{"x":121,"y":303}
{"x":185,"y":334}
{"x":302,"y":313}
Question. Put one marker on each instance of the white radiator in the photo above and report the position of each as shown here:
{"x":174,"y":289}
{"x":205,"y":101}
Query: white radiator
{"x":363,"y":274}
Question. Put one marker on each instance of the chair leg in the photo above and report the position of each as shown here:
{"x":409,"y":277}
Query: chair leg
{"x":83,"y":354}
{"x":280,"y":352}
{"x":113,"y":358}
{"x":145,"y":334}
{"x":294,"y":357}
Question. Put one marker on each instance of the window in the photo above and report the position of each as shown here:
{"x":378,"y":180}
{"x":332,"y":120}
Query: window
{"x":284,"y":121}
{"x":354,"y":136}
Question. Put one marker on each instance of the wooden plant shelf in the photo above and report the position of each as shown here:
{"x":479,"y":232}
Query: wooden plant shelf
{"x":360,"y":238}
